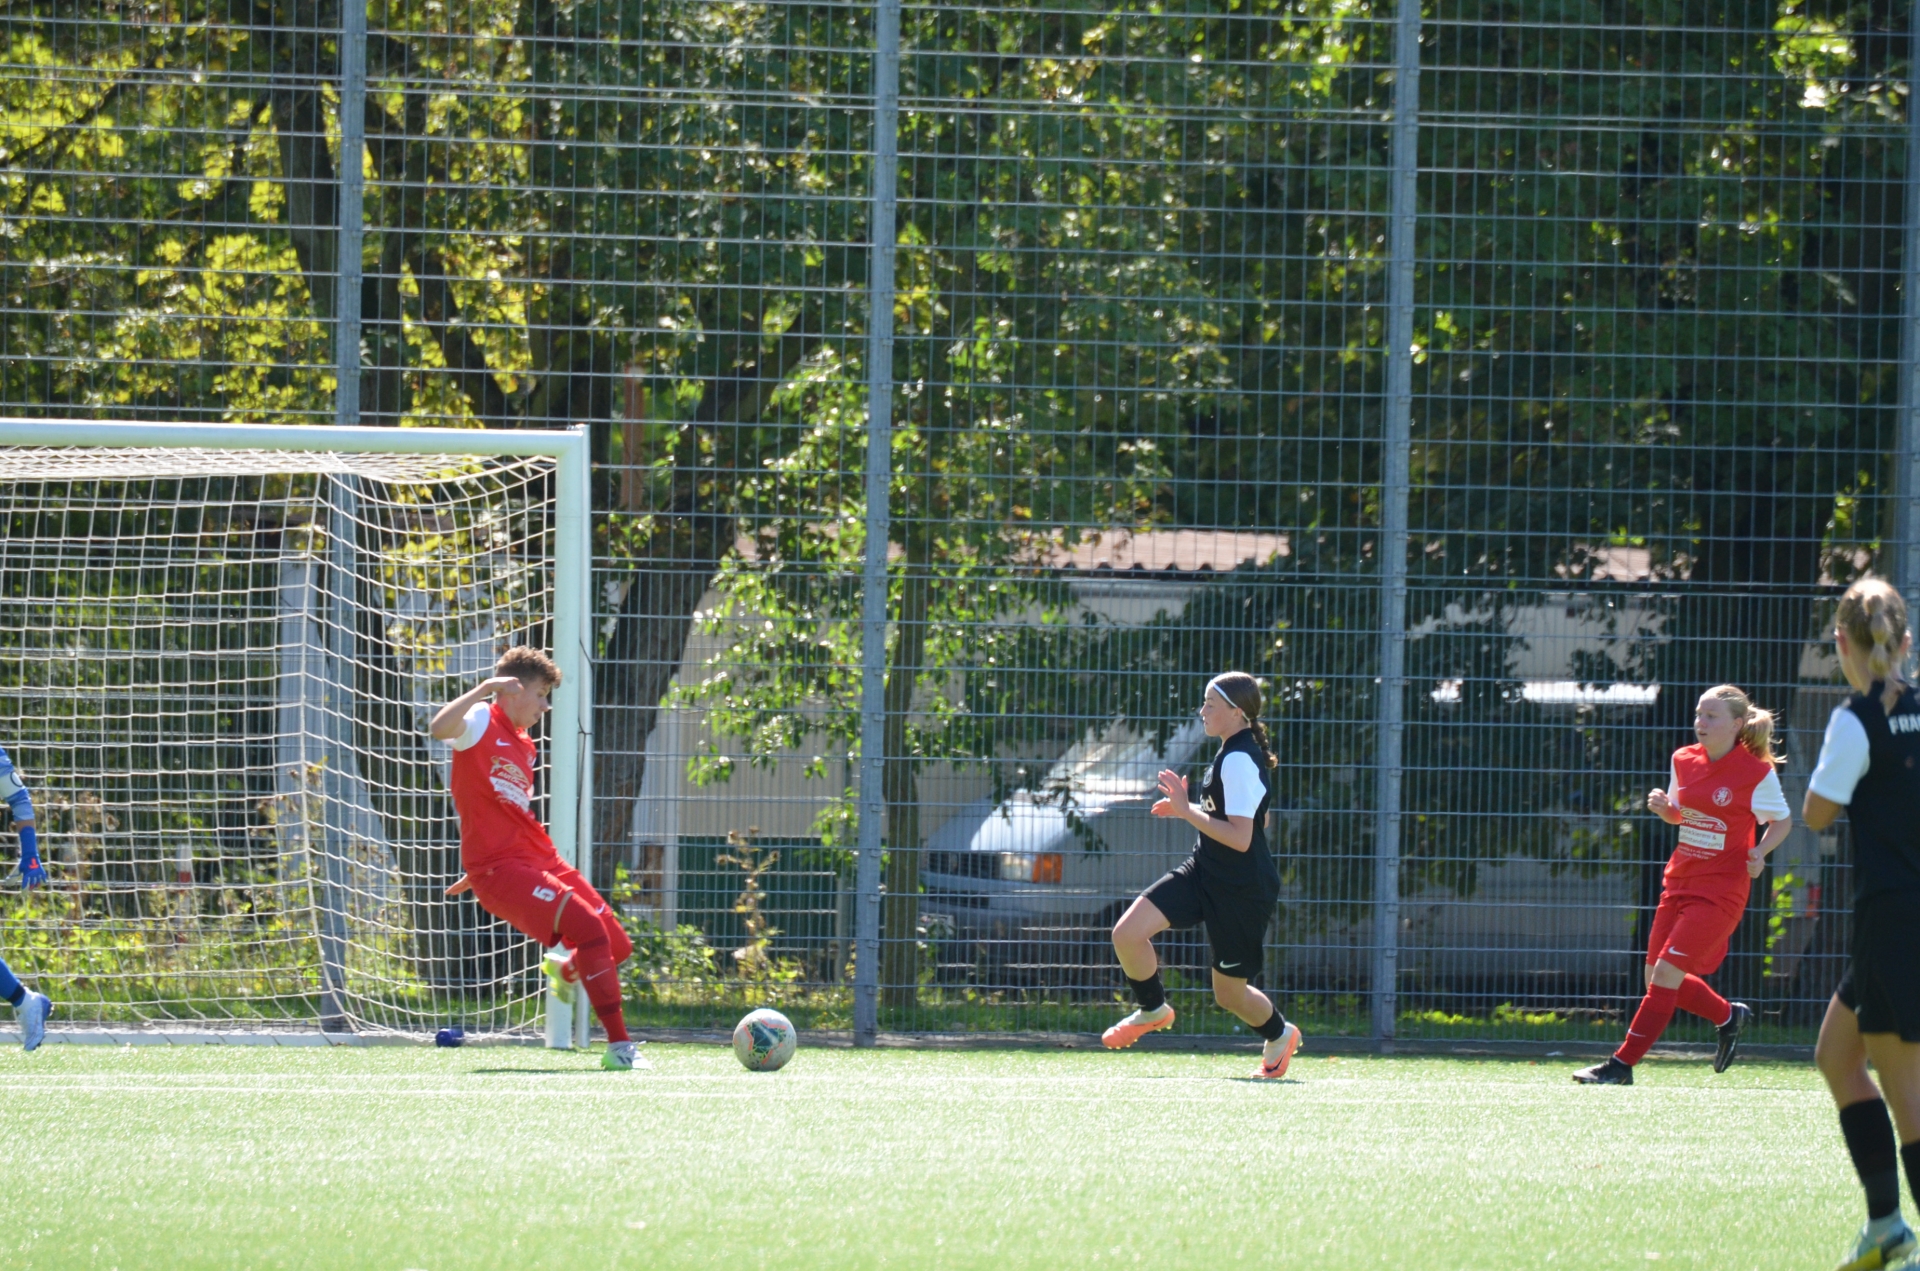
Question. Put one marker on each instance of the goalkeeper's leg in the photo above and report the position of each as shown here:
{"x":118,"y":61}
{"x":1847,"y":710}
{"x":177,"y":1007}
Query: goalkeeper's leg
{"x":30,"y":1008}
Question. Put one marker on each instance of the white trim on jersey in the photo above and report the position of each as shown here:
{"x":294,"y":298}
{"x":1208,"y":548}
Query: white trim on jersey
{"x":473,"y":726}
{"x":1844,"y":756}
{"x":1240,"y":782}
{"x":1769,"y":801}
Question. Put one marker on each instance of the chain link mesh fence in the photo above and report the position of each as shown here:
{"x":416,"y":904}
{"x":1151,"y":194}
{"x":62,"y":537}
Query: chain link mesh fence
{"x":1488,"y":379}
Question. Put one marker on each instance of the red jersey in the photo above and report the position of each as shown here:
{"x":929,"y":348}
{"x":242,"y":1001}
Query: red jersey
{"x":1717,"y":827}
{"x":492,"y":785}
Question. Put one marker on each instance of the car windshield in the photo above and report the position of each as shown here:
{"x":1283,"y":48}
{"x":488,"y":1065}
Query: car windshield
{"x":1122,"y":760}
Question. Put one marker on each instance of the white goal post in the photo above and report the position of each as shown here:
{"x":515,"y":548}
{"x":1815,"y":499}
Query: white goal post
{"x":219,"y":646}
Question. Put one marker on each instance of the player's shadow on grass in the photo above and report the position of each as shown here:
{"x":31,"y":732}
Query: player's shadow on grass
{"x":535,"y":1072}
{"x":1265,"y":1081}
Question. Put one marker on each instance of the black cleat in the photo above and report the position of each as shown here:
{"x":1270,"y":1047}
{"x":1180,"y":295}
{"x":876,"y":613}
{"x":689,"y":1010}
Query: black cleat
{"x":1730,"y":1036}
{"x":1610,"y":1073}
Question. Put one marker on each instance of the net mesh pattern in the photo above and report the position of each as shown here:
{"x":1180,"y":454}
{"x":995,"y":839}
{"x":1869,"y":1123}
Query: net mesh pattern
{"x":217,"y":669}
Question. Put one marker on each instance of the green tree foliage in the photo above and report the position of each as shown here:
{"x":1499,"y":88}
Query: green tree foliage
{"x":1142,"y":285}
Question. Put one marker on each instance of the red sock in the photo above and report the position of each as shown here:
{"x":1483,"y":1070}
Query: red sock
{"x":593,"y":957}
{"x":614,"y":1020}
{"x":1697,"y":999}
{"x":1651,"y":1020}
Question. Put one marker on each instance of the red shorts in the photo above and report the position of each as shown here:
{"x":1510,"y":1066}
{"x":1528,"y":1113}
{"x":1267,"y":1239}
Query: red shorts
{"x":1692,"y":932}
{"x":527,"y":897}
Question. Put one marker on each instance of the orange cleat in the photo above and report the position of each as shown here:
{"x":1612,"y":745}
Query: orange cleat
{"x":1135,"y":1026}
{"x":1277,"y":1054}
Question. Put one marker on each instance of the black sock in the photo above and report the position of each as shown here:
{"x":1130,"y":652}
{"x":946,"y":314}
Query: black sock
{"x":1276,"y":1024}
{"x":1150,"y":993}
{"x":1911,"y":1155}
{"x":1869,"y":1134}
{"x":18,"y":995}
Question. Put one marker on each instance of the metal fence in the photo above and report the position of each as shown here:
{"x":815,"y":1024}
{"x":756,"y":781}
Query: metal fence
{"x":1486,"y":378}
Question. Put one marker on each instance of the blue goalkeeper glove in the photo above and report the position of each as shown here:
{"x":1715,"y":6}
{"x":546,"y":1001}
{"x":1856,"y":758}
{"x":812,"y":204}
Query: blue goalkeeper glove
{"x":32,"y":875}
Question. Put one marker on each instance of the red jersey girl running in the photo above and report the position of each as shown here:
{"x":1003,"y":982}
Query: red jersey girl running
{"x":509,"y":861}
{"x":1719,"y":791}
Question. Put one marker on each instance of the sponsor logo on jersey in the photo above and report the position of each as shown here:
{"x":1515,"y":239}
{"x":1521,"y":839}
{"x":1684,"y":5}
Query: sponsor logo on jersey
{"x":1722,"y":797}
{"x":513,"y":784}
{"x":1701,"y":834}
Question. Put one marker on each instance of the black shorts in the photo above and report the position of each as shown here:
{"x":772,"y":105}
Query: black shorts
{"x":1882,"y":983}
{"x":1237,"y":915}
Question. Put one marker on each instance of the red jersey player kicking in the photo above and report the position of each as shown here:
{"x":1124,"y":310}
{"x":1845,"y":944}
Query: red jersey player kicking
{"x":1721,"y":789}
{"x":509,"y":862}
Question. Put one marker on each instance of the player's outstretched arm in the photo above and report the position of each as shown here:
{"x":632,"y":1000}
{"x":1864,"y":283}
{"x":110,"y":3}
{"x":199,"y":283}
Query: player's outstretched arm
{"x":452,"y":717}
{"x":14,"y":791}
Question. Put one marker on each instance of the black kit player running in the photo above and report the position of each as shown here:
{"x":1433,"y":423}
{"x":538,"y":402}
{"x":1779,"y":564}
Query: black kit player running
{"x":1233,"y":893}
{"x":1229,"y":882}
{"x":1870,"y":767}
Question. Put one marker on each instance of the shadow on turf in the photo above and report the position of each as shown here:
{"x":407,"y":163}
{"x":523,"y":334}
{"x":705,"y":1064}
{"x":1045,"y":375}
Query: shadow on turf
{"x":536,"y":1072}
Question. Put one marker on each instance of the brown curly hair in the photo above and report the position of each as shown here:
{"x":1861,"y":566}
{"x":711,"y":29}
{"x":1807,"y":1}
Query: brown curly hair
{"x":529,"y":666}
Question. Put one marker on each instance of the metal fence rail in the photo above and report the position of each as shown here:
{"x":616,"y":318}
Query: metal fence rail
{"x":969,"y":384}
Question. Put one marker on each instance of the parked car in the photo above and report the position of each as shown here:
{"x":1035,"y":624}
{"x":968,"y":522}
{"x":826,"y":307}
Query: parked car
{"x":1028,"y":890}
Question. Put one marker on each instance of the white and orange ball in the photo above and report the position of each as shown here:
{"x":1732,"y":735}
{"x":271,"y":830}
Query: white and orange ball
{"x":764,"y":1040}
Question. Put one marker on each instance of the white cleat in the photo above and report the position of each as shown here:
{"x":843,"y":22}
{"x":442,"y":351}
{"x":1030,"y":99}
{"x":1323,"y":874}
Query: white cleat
{"x":32,"y":1014}
{"x":623,"y":1057}
{"x":1883,"y":1244}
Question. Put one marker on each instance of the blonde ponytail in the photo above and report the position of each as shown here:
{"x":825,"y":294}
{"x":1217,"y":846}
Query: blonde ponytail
{"x":1874,"y":617}
{"x":1756,"y":725}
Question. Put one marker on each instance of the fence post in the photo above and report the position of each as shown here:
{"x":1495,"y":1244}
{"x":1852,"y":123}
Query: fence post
{"x":1904,"y":569}
{"x":873,"y":590}
{"x":353,"y":148}
{"x":1394,"y":481}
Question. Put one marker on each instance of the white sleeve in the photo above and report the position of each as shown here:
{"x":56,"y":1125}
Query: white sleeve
{"x":1843,"y":758}
{"x":1673,"y":783}
{"x":474,"y":726}
{"x":1770,"y":801}
{"x":1244,"y":788}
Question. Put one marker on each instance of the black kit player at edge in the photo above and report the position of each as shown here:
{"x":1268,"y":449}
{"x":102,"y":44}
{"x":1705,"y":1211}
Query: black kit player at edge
{"x":1882,"y":982}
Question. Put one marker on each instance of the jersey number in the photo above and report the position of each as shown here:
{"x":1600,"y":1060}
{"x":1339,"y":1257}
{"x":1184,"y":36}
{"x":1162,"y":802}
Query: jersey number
{"x":545,"y":893}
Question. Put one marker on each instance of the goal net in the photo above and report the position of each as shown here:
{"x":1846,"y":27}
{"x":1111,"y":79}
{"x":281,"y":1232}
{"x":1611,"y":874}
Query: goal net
{"x":217,"y":665}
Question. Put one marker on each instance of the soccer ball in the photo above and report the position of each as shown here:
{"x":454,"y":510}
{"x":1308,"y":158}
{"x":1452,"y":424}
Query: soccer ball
{"x":764,"y":1040}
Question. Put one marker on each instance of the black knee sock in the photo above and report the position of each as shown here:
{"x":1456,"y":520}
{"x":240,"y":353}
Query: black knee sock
{"x":1276,"y":1024}
{"x":1911,"y":1155}
{"x":1150,"y":993}
{"x":1869,"y":1134}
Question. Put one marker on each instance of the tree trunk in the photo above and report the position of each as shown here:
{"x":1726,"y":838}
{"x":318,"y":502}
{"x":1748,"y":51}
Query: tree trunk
{"x":663,"y":586}
{"x":313,"y":193}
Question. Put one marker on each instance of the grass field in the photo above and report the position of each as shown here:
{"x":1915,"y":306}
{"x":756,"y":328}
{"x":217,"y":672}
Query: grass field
{"x":233,"y":1157}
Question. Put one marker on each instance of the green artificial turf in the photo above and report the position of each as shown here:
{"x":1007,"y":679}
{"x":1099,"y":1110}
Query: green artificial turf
{"x":231,"y":1157}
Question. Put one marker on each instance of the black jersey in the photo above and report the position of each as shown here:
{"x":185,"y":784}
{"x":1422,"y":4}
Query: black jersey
{"x":1255,"y":865}
{"x":1884,"y":813}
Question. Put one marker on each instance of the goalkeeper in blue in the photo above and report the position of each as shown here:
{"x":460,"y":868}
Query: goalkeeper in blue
{"x":30,"y":1008}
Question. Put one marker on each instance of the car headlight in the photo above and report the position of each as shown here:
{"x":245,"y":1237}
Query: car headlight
{"x":1031,"y":867}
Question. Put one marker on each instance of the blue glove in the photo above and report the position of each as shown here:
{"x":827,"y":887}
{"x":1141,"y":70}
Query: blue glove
{"x":31,"y":873}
